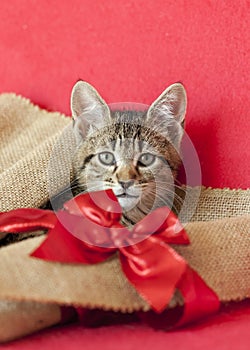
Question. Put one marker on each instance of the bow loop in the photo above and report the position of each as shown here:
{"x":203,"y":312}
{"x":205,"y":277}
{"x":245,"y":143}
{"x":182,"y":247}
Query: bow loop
{"x":163,"y":223}
{"x":89,"y":231}
{"x":101,"y":207}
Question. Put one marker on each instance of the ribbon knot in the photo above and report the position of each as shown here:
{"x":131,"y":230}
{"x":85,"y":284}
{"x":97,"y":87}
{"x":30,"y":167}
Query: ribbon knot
{"x":89,"y":231}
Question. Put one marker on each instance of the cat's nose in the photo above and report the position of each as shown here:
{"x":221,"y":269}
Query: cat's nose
{"x":126,"y":184}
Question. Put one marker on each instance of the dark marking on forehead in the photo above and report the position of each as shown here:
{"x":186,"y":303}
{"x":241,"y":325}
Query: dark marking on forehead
{"x":140,"y":144}
{"x":120,"y":137}
{"x":136,"y":137}
{"x":113,"y":144}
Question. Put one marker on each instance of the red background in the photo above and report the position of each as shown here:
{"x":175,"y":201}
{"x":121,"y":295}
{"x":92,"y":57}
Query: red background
{"x":131,"y":51}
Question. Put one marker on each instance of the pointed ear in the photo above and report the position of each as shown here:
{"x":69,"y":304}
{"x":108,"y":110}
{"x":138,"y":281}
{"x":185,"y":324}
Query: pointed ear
{"x":89,"y":110}
{"x":167,"y":113}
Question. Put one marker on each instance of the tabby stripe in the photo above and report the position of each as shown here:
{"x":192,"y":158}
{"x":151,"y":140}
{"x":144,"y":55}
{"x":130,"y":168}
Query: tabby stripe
{"x":120,"y":137}
{"x":86,"y":161}
{"x":140,"y":143}
{"x":115,"y":168}
{"x":128,"y":220}
{"x":113,"y":143}
{"x":141,"y":211}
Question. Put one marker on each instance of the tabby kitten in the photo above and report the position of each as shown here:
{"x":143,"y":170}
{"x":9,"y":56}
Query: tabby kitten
{"x":133,"y":152}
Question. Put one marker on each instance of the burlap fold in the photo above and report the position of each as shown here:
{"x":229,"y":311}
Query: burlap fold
{"x":21,"y":318}
{"x":27,"y":136}
{"x":219,"y":252}
{"x":30,"y":137}
{"x":219,"y":231}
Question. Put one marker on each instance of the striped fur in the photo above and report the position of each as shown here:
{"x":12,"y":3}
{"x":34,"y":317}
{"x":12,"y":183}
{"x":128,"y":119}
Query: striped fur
{"x":125,"y":139}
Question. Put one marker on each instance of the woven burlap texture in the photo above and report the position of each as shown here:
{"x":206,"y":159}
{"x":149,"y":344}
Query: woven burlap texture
{"x":27,"y":136}
{"x":32,"y":138}
{"x":21,"y":318}
{"x":219,"y":251}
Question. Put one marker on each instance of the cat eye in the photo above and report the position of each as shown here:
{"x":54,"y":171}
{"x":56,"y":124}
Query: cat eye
{"x":146,"y":159}
{"x":106,"y":158}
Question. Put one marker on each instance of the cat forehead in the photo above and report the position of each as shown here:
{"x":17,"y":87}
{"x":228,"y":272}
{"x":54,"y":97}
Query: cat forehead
{"x":128,"y":116}
{"x":126,"y":145}
{"x":127,"y":131}
{"x":127,"y":138}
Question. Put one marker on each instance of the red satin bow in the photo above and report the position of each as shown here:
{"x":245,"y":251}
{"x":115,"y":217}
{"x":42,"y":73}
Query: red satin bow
{"x":86,"y":233}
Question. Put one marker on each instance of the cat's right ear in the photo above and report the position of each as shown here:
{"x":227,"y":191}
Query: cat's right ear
{"x":90,"y":112}
{"x":167,"y":114}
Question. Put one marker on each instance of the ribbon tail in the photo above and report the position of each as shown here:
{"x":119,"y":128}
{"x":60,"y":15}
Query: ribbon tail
{"x":26,"y":220}
{"x":199,"y":299}
{"x":154,"y":270}
{"x":60,"y":245}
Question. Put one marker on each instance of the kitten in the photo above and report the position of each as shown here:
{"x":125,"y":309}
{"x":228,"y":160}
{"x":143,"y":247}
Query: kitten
{"x":135,"y":153}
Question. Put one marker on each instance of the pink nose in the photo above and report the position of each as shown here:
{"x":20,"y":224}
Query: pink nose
{"x":126,"y":184}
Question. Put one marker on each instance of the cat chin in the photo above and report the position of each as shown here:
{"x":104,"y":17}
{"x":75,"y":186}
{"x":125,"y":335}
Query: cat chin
{"x":128,"y":204}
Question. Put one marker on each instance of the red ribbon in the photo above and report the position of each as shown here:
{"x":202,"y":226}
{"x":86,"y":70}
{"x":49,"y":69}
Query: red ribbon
{"x":85,"y":233}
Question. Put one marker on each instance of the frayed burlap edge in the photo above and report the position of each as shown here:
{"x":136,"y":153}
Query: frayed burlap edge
{"x":219,"y":252}
{"x":32,"y":291}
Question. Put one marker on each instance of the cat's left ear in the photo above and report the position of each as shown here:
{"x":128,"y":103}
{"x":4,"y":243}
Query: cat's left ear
{"x":90,"y":112}
{"x":166,"y":115}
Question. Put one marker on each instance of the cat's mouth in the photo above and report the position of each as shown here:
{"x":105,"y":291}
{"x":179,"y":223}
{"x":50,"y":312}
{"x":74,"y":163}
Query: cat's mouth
{"x":127,"y":201}
{"x":126,"y":195}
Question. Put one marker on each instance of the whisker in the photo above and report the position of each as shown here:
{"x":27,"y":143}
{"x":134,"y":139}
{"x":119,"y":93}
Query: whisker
{"x":166,"y":200}
{"x":91,"y":187}
{"x":176,"y":200}
{"x":166,"y":188}
{"x":67,"y":189}
{"x":172,"y":184}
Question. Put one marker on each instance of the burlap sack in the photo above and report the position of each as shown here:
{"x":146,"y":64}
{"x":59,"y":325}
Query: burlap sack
{"x":32,"y":290}
{"x":27,"y":136}
{"x":30,"y":137}
{"x":219,"y":253}
{"x":219,"y":231}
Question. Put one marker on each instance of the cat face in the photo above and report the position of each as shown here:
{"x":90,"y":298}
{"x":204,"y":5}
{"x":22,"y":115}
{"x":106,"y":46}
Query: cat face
{"x":134,"y":153}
